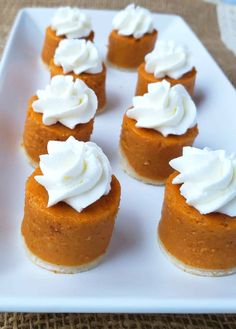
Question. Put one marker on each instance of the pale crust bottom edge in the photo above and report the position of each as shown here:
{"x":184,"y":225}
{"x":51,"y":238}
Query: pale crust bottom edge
{"x":61,"y":269}
{"x":33,"y":163}
{"x":120,"y":68}
{"x":131,"y":172}
{"x":195,"y":270}
{"x":101,"y":110}
{"x":45,"y":65}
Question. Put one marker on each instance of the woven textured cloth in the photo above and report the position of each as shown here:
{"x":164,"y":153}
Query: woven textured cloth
{"x":115,"y":321}
{"x":202,"y":18}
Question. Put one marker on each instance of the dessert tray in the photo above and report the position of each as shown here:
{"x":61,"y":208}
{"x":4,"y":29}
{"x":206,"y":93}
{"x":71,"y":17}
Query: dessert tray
{"x":134,"y":276}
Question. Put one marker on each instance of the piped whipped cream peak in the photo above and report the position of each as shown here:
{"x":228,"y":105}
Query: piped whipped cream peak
{"x":74,"y":172}
{"x":208,"y":180}
{"x":71,"y":22}
{"x":168,"y":59}
{"x":66,"y":101}
{"x":135,"y":21}
{"x":166,"y":109}
{"x":78,"y":56}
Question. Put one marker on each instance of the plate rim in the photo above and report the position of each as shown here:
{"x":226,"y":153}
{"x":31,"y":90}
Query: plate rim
{"x":88,"y":305}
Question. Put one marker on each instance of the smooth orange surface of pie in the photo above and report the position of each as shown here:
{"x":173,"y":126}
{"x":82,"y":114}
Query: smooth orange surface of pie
{"x":128,"y":52}
{"x":205,"y":242}
{"x":144,"y":78}
{"x":59,"y":234}
{"x":51,"y":42}
{"x":36,"y":135}
{"x":148,"y":152}
{"x":94,"y":81}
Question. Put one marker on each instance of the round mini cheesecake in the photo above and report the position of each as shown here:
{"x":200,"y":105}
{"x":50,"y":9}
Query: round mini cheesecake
{"x":154,"y":131}
{"x":52,"y":41}
{"x":197,"y":230}
{"x":64,"y":108}
{"x":168,"y":61}
{"x":67,"y":61}
{"x":68,"y":229}
{"x":126,"y":52}
{"x":97,"y":82}
{"x":145,"y":78}
{"x":199,"y":244}
{"x":145,"y":153}
{"x":37,"y":135}
{"x":67,"y":22}
{"x":61,"y":239}
{"x":132,"y":37}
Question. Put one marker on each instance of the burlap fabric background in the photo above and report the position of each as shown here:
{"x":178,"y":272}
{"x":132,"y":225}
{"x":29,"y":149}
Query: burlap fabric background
{"x":202,"y":18}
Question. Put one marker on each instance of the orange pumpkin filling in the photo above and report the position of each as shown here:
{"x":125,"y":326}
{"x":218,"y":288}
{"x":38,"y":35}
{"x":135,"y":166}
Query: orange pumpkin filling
{"x":144,"y":78}
{"x":128,"y":52}
{"x":148,"y":152}
{"x":52,"y":41}
{"x":37,"y":135}
{"x":200,"y":241}
{"x":61,"y":235}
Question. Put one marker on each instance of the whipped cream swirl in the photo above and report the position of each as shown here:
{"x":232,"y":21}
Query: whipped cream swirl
{"x":66,"y":101}
{"x":168,"y":59}
{"x":78,"y":56}
{"x":135,"y":21}
{"x":169,"y":110}
{"x":71,"y":22}
{"x":208,"y":179}
{"x":75,"y":172}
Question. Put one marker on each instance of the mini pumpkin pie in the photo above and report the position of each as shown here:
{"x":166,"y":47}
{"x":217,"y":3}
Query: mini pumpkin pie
{"x":71,"y":202}
{"x":80,"y":58}
{"x":64,"y":108}
{"x":133,"y":36}
{"x":67,"y":23}
{"x":197,"y":230}
{"x":167,"y":61}
{"x":155,"y":130}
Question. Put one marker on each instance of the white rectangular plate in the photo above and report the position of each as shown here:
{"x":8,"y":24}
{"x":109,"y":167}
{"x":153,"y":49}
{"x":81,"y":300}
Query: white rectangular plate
{"x":134,"y":276}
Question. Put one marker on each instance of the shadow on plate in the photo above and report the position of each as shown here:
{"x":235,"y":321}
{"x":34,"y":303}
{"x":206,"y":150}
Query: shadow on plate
{"x":113,"y":101}
{"x":126,"y":237}
{"x":10,"y":252}
{"x":199,"y":97}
